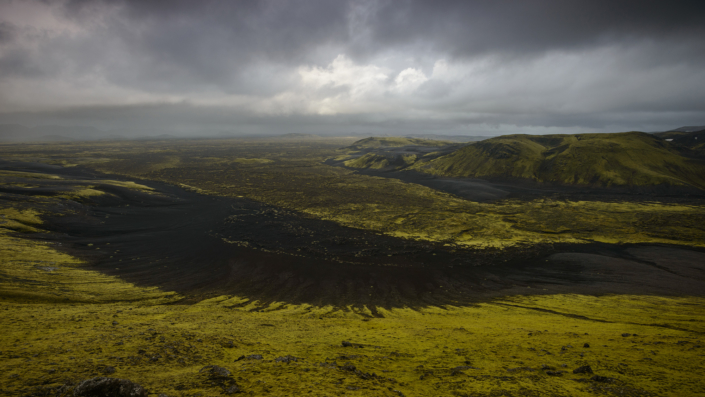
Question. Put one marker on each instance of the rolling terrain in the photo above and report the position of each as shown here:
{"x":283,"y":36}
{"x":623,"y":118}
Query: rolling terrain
{"x":631,"y":159}
{"x":269,"y":267}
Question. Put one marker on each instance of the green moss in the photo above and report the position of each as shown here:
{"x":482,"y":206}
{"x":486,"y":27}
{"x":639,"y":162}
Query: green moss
{"x":506,"y":342}
{"x":369,"y":160}
{"x":624,"y":159}
{"x":376,"y":142}
{"x":296,"y":179}
{"x":57,"y":317}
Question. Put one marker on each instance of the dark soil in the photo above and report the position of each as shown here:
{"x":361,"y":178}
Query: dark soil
{"x":203,"y":245}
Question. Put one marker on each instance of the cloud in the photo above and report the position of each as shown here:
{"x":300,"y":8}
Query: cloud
{"x":453,"y":65}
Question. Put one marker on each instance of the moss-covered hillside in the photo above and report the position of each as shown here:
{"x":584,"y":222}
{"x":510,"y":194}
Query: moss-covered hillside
{"x":390,"y":154}
{"x":376,"y":142}
{"x":621,"y":159}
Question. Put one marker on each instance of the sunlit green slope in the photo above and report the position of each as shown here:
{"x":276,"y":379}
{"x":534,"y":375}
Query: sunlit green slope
{"x":630,"y":158}
{"x":393,"y":153}
{"x":376,"y":142}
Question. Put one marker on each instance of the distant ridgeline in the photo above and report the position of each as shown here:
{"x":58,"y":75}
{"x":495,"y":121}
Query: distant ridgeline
{"x":619,"y":159}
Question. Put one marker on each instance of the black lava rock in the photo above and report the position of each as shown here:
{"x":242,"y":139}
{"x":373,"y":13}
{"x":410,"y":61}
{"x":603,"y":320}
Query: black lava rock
{"x":347,"y":344}
{"x":585,"y":369}
{"x":286,"y":359}
{"x":216,"y":371}
{"x":626,"y":335}
{"x":586,"y":345}
{"x":250,"y":357}
{"x":109,"y":387}
{"x":109,"y":370}
{"x":598,"y":378}
{"x":348,"y":367}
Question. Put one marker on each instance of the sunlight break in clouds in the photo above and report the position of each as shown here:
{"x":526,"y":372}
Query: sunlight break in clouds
{"x":344,"y":87}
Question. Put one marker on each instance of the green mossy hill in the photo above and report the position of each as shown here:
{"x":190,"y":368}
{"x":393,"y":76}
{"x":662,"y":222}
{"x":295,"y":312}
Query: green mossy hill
{"x":393,"y":153}
{"x":385,"y":161}
{"x":375,"y":143}
{"x":620,"y":159}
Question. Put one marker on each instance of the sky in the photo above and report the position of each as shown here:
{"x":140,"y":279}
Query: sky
{"x":336,"y":67}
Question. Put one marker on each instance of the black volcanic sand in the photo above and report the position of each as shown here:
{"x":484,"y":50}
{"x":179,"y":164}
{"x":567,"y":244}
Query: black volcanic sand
{"x":203,"y":245}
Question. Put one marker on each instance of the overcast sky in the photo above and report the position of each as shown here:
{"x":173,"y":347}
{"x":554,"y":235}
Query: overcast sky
{"x":339,"y":67}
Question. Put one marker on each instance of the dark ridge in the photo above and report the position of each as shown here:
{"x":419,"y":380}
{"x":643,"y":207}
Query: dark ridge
{"x":203,"y":245}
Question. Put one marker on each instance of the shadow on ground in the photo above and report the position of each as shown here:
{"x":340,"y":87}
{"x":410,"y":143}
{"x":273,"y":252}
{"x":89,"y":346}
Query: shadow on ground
{"x":202,"y":245}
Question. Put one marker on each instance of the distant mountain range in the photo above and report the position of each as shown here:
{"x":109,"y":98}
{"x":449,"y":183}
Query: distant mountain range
{"x":688,"y":129}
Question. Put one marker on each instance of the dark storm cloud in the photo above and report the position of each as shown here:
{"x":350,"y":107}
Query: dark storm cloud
{"x":471,"y":28}
{"x":188,"y":32}
{"x":213,"y":42}
{"x":582,"y":64}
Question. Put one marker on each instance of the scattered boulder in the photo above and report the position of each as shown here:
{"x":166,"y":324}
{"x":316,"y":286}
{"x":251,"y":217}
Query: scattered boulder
{"x":554,"y":373}
{"x":626,"y":334}
{"x":109,"y":387}
{"x":350,"y":344}
{"x":585,"y":369}
{"x":348,"y":367}
{"x":250,"y":357}
{"x":517,"y":369}
{"x":216,"y":371}
{"x":221,"y":376}
{"x":586,"y":344}
{"x":286,"y":359}
{"x":109,"y":370}
{"x":598,"y":378}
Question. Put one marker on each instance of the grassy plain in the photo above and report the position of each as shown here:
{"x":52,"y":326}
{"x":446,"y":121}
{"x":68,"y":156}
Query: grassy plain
{"x":62,"y":323}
